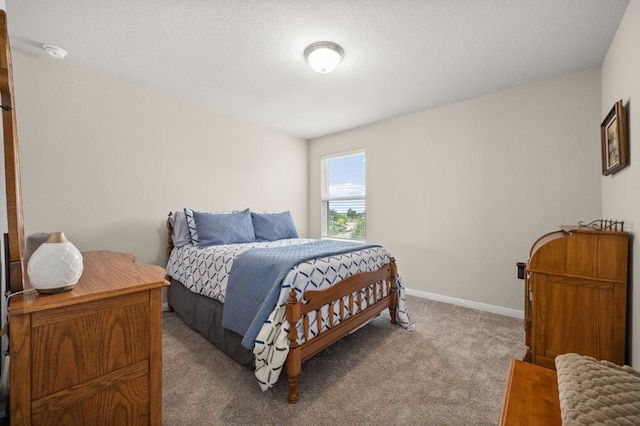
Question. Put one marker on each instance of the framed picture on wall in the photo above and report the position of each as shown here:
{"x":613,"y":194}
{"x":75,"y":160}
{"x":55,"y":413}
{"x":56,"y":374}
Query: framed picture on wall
{"x":615,"y":145}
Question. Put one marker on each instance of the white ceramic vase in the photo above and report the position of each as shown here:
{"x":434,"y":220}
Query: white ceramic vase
{"x":55,"y":266}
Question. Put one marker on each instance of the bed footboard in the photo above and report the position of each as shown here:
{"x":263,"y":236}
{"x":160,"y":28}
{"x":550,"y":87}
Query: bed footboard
{"x":368,"y":292}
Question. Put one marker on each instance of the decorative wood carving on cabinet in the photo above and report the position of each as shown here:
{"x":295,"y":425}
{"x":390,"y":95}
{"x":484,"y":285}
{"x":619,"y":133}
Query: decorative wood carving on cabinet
{"x":576,"y":295}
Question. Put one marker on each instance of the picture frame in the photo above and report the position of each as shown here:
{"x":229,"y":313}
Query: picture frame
{"x":615,"y":143}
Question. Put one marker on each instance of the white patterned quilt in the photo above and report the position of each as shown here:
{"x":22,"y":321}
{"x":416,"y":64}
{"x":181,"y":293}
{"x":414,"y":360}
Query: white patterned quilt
{"x":206,"y":271}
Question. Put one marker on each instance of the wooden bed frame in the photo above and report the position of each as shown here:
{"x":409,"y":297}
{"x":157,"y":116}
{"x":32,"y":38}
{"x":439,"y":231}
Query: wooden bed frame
{"x":352,"y":292}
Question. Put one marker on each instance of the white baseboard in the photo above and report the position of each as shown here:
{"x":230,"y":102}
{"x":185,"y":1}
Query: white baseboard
{"x":165,"y":307}
{"x":467,"y":303}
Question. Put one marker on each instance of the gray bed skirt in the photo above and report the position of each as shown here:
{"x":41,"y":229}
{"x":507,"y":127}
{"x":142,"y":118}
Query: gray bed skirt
{"x":204,"y":315}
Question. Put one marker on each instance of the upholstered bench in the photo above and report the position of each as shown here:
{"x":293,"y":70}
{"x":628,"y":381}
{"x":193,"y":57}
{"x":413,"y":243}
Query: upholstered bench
{"x":596,"y":392}
{"x":582,"y":391}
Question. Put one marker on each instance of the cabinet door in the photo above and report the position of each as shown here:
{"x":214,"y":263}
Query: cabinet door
{"x":576,"y":315}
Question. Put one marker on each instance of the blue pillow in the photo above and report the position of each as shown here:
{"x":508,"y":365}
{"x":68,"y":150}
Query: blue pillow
{"x":191,"y":223}
{"x":273,"y":226}
{"x":229,"y":228}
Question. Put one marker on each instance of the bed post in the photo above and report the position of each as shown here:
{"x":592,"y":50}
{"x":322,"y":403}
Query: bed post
{"x":169,"y":250}
{"x":169,"y":236}
{"x":294,"y":362}
{"x":393,"y":302}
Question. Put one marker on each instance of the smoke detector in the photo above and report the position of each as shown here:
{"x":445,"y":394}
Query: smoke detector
{"x":55,"y":51}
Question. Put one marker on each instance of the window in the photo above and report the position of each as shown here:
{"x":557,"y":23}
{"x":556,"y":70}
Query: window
{"x":343,"y":196}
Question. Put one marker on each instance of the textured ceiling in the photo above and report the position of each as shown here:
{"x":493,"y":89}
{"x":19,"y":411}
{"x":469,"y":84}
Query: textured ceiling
{"x":244,"y":58}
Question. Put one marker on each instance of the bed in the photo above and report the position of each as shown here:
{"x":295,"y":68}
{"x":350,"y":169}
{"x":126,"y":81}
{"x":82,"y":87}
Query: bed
{"x":327,"y":289}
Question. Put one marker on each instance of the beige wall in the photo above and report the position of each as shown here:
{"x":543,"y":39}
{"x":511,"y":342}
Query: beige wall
{"x":620,"y":200}
{"x":105,"y":161}
{"x":459,"y":194}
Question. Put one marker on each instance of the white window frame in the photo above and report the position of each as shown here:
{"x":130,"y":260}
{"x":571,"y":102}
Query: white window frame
{"x":325,"y":199}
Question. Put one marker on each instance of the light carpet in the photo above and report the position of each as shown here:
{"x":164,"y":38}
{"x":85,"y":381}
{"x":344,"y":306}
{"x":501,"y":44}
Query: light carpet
{"x":451,"y":371}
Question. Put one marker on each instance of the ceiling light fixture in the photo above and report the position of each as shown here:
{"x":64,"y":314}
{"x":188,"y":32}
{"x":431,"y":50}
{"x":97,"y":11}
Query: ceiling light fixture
{"x":55,"y":51}
{"x":323,"y":56}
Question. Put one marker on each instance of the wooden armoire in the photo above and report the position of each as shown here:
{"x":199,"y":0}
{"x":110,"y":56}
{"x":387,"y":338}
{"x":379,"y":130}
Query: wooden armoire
{"x":576,"y":295}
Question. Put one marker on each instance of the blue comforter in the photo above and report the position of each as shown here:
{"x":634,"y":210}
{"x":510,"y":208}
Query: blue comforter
{"x":256,"y":277}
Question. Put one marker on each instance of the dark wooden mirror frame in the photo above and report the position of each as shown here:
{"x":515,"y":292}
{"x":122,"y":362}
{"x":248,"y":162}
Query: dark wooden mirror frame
{"x":14,"y":251}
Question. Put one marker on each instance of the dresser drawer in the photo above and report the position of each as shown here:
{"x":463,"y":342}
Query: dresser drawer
{"x":78,"y":344}
{"x":119,"y":398}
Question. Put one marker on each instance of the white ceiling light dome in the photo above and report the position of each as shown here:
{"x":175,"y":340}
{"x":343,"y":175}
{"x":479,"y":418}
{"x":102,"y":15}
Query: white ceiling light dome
{"x":324,"y":56}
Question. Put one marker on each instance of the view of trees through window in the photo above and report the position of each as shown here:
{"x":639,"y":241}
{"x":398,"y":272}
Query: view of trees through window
{"x":346,"y":225}
{"x":343,"y":196}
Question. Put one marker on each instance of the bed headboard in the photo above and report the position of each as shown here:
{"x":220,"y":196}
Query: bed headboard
{"x":169,"y":236}
{"x":14,"y":251}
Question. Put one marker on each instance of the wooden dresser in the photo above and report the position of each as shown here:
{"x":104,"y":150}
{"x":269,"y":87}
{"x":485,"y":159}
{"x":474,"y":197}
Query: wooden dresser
{"x":91,"y":355}
{"x":576,"y":295}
